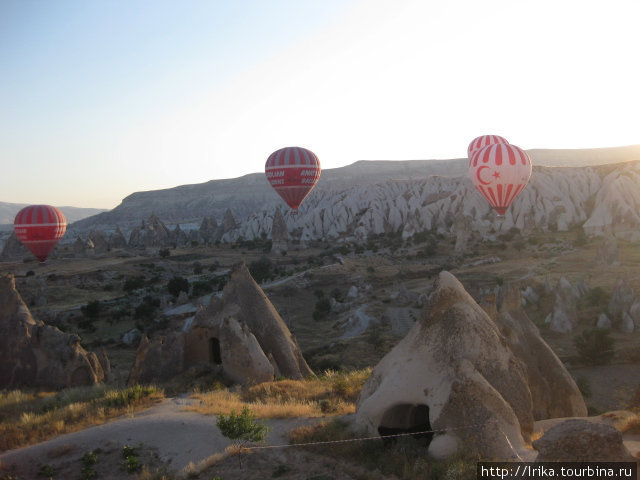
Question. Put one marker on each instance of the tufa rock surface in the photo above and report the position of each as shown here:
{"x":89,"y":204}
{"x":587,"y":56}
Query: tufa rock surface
{"x":564,"y":317}
{"x":241,"y":334}
{"x":623,"y":298}
{"x":151,"y":233}
{"x":579,"y":440}
{"x":13,"y":249}
{"x":117,"y":239}
{"x":279,"y":233}
{"x":482,"y":374}
{"x":246,"y":319}
{"x":454,"y":371}
{"x":208,"y":229}
{"x":33,"y":354}
{"x":158,"y":360}
{"x":554,"y":393}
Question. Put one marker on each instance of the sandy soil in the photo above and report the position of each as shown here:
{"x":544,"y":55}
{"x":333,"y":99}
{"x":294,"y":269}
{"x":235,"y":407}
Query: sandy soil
{"x":167,"y":439}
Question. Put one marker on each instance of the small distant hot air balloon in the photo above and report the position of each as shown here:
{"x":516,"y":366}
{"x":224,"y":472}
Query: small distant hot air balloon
{"x":293,"y":172}
{"x":482,"y":141}
{"x":39,"y":228}
{"x":500,"y":172}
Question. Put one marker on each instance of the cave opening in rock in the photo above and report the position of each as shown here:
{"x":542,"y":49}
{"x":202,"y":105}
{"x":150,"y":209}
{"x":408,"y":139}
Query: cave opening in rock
{"x":406,"y":418}
{"x":214,"y":351}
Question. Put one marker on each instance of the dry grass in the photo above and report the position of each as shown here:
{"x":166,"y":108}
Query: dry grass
{"x":631,"y":425}
{"x":28,"y":418}
{"x":406,"y":459}
{"x":332,"y":394}
{"x":211,"y":460}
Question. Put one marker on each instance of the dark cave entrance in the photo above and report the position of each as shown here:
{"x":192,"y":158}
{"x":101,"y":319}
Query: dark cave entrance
{"x":406,"y":418}
{"x":214,"y":351}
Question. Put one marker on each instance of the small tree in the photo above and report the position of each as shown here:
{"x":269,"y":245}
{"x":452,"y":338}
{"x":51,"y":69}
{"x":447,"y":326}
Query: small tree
{"x":242,"y":427}
{"x":177,"y":285}
{"x":322,"y":310}
{"x":595,"y":346}
{"x":261,"y":269}
{"x":91,"y":309}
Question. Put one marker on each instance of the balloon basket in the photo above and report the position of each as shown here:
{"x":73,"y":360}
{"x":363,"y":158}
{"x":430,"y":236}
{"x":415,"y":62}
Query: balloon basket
{"x":500,"y":218}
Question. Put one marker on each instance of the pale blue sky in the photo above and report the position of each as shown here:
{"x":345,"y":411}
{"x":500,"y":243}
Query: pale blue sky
{"x":102,"y":98}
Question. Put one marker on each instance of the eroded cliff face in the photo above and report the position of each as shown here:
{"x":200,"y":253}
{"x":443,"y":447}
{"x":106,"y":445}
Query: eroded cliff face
{"x":369,"y":198}
{"x":33,"y":354}
{"x":602,"y":199}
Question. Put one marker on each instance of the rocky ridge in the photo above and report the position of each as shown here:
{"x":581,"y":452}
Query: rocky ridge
{"x":251,"y":193}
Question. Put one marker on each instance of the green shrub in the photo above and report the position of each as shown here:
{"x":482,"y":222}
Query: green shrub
{"x":242,"y":427}
{"x":597,"y":297}
{"x":89,"y":458}
{"x":322,"y":309}
{"x":261,"y":269}
{"x":91,"y":309}
{"x":133,"y":283}
{"x":147,"y":308}
{"x":177,"y":285}
{"x":595,"y":347}
{"x":201,"y":287}
{"x":47,"y":471}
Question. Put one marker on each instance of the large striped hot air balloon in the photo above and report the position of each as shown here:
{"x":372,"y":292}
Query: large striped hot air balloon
{"x":293,"y":172}
{"x":482,"y":141}
{"x":500,"y":172}
{"x":39,"y":228}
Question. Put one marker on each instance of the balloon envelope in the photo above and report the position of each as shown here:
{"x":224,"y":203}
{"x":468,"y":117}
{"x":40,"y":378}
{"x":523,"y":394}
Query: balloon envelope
{"x":293,"y":172}
{"x":39,"y":228}
{"x":500,"y":172}
{"x":482,"y":141}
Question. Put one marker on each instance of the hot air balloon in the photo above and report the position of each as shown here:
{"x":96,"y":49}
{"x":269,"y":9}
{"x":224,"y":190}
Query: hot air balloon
{"x":500,"y":172}
{"x":39,"y":228}
{"x":293,"y":172}
{"x":481,"y":142}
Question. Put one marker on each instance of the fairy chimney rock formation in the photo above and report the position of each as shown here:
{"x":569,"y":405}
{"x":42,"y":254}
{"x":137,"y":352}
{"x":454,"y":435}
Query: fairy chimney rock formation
{"x":117,"y":239}
{"x":100,"y":244}
{"x":463,"y":233}
{"x":553,"y":391}
{"x":13,"y":249}
{"x":228,"y":225}
{"x":151,"y":233}
{"x":33,"y":354}
{"x":243,"y":332}
{"x":564,"y":317}
{"x":452,"y":372}
{"x":208,"y":229}
{"x":279,"y":233}
{"x":471,"y":377}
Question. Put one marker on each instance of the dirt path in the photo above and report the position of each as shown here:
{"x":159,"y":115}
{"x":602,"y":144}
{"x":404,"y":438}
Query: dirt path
{"x":169,"y":436}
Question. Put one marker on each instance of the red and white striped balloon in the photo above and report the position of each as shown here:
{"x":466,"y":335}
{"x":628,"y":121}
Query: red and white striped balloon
{"x":482,"y":141}
{"x":40,"y":228}
{"x":500,"y":172}
{"x":293,"y":172}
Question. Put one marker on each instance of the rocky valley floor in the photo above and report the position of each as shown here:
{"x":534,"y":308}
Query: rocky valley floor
{"x":347,"y":306}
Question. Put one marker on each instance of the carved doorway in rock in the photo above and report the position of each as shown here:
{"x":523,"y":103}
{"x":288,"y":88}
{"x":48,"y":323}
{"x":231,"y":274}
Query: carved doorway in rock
{"x":214,"y":351}
{"x":406,"y":418}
